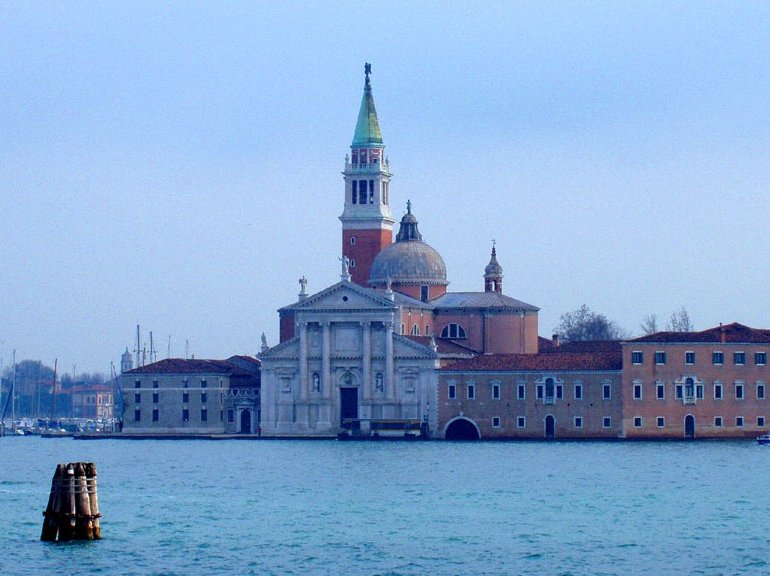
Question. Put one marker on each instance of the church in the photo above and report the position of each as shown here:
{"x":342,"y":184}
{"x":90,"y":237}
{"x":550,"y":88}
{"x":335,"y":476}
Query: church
{"x":361,"y":357}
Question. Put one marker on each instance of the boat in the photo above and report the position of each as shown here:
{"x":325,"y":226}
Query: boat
{"x":764,"y":439}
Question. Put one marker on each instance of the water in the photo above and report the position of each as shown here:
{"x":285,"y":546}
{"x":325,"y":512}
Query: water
{"x":326,"y":507}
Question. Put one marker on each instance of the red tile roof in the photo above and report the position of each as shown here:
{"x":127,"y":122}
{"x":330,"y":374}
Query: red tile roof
{"x":551,"y":361}
{"x":734,"y":332}
{"x":585,"y":346}
{"x":189,"y":366}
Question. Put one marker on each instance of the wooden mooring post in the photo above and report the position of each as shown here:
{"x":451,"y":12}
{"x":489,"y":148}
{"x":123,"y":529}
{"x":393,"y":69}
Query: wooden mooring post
{"x":73,"y":505}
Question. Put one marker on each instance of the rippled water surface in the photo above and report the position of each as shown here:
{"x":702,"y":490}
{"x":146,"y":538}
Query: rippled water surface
{"x":326,"y":507}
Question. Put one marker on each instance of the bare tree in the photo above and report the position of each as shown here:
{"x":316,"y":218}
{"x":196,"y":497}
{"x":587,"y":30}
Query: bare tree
{"x":680,"y":321}
{"x":649,"y":324}
{"x":584,"y":324}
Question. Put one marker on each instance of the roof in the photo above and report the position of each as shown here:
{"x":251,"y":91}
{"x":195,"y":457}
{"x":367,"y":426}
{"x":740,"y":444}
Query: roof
{"x":445,"y":347}
{"x":481,"y":300}
{"x":189,"y":366}
{"x":584,"y":346}
{"x":561,"y":361}
{"x":367,"y":128}
{"x":732,"y":333}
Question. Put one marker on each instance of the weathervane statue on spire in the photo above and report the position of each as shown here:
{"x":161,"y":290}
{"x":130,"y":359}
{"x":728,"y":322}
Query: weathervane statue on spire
{"x":367,"y":71}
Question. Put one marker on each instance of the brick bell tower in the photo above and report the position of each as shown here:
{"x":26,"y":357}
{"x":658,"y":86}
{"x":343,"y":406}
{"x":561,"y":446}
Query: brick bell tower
{"x":367,"y":223}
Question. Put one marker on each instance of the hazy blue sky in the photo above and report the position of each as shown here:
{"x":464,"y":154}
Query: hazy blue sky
{"x":177,"y":165}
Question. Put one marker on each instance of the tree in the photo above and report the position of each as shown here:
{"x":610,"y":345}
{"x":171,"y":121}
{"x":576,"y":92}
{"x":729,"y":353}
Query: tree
{"x":584,"y":324}
{"x":680,"y":321}
{"x":649,"y":324}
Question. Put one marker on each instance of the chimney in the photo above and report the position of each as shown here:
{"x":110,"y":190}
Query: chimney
{"x":555,"y":340}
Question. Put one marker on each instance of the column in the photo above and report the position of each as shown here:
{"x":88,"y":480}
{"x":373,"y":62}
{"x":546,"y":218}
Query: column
{"x":326,"y":375}
{"x":390,"y":385}
{"x":303,"y":380}
{"x":366,"y":364}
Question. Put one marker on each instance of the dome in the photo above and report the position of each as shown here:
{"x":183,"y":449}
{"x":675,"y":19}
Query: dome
{"x":493,"y":268}
{"x":409,"y":260}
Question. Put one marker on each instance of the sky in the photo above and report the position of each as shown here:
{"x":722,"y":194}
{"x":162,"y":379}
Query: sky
{"x":177,"y":165}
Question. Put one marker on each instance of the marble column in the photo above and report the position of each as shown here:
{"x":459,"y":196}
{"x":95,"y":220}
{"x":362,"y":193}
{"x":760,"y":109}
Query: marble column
{"x":303,"y":380}
{"x":366,"y":358}
{"x":390,"y":385}
{"x":326,"y":352}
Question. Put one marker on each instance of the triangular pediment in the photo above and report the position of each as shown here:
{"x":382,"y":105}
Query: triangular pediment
{"x":404,"y":347}
{"x":344,"y":296}
{"x":287,"y":349}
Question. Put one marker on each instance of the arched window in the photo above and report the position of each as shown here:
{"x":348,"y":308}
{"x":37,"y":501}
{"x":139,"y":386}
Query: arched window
{"x":415,"y":330}
{"x":453,"y":331}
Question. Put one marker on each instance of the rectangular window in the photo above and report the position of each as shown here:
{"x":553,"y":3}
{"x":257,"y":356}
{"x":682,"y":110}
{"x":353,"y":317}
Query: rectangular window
{"x":185,"y":397}
{"x":204,"y":397}
{"x":371,"y":191}
{"x":606,"y":392}
{"x":739,"y":358}
{"x":452,"y":391}
{"x":155,"y":397}
{"x":155,"y":415}
{"x":137,"y":384}
{"x":424,"y":293}
{"x":679,"y":391}
{"x":661,"y":422}
{"x":607,"y":422}
{"x":739,"y":391}
{"x":204,"y":415}
{"x":760,"y":391}
{"x":699,"y":391}
{"x":204,"y":384}
{"x":717,"y":421}
{"x":137,"y":415}
{"x":717,"y":390}
{"x":760,"y":358}
{"x":560,"y":391}
{"x":355,"y":191}
{"x":637,"y":357}
{"x":403,"y":329}
{"x":739,"y":421}
{"x":637,"y":421}
{"x":521,"y":422}
{"x":689,"y":358}
{"x":137,"y":398}
{"x":660,"y":357}
{"x":154,"y":383}
{"x":578,"y":391}
{"x":495,"y":422}
{"x":578,"y":421}
{"x":761,"y":421}
{"x":660,"y":391}
{"x":539,"y":391}
{"x":496,"y":391}
{"x":185,"y":415}
{"x":637,"y":391}
{"x":521,"y":393}
{"x":471,"y":391}
{"x":717,"y":358}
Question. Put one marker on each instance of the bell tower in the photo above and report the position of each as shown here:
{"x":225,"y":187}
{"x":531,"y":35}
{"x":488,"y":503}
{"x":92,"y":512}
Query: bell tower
{"x":367,"y":223}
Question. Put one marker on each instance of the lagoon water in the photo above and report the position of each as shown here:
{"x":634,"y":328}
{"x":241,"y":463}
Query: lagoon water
{"x":182,"y":507}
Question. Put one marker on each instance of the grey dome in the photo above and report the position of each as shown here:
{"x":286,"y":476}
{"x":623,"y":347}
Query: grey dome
{"x":409,"y":260}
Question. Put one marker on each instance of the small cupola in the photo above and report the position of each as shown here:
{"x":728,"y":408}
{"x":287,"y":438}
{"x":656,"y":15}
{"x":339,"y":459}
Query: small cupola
{"x":493,"y":274}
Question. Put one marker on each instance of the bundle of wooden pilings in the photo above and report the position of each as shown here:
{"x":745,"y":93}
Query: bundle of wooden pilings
{"x":73,"y":505}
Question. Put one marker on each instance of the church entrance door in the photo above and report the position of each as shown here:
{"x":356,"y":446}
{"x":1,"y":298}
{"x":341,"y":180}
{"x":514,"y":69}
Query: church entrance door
{"x":348,"y":403}
{"x":246,"y":422}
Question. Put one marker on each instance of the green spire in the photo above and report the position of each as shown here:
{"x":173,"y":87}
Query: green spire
{"x":368,"y":128}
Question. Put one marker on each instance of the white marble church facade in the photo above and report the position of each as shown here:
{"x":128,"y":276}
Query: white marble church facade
{"x":346,"y":370}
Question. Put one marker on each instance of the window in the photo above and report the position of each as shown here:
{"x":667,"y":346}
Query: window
{"x":471,"y":391}
{"x":699,"y":391}
{"x":403,"y":329}
{"x":137,"y":415}
{"x":154,"y":383}
{"x":760,"y":390}
{"x":539,"y":391}
{"x":204,"y":397}
{"x":137,"y":398}
{"x":739,"y":421}
{"x":496,"y":391}
{"x":738,"y":391}
{"x":661,"y":421}
{"x":717,"y":390}
{"x":204,"y":384}
{"x":452,"y":391}
{"x":637,"y":391}
{"x":739,"y":358}
{"x":371,"y":191}
{"x":717,"y":421}
{"x":352,"y":240}
{"x":760,"y":358}
{"x":352,"y":262}
{"x":521,"y":392}
{"x":155,"y":397}
{"x":185,"y":415}
{"x":761,"y":421}
{"x":606,"y":392}
{"x":231,"y":416}
{"x":607,"y":422}
{"x":637,"y":421}
{"x":155,"y":415}
{"x":679,"y":392}
{"x":578,"y":391}
{"x":424,"y":293}
{"x":660,"y":391}
{"x":689,"y":358}
{"x":185,"y":397}
{"x":578,"y":421}
{"x":138,"y":384}
{"x":560,"y":391}
{"x":454,"y":331}
{"x":204,"y":415}
{"x":717,"y":358}
{"x":660,"y":357}
{"x":415,"y":330}
{"x":355,"y":191}
{"x":637,"y":357}
{"x":689,"y":388}
{"x":495,"y":422}
{"x":521,"y":422}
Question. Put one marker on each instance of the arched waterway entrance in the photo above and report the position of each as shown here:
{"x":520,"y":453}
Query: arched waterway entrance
{"x":462,"y":429}
{"x":550,"y":427}
{"x":689,"y":426}
{"x":245,"y":422}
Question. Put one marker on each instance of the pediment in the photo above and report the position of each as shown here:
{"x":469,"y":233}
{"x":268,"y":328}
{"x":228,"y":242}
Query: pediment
{"x":404,"y":347}
{"x":344,"y":296}
{"x":288,"y":349}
